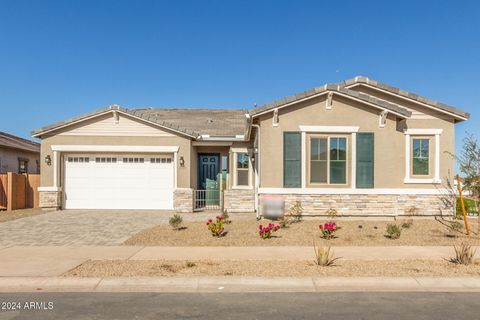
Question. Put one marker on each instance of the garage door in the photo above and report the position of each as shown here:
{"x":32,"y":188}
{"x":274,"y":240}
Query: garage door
{"x":127,"y":182}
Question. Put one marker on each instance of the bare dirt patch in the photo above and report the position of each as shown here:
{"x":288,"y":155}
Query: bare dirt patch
{"x":244,"y":232}
{"x":18,"y":214}
{"x":168,"y":268}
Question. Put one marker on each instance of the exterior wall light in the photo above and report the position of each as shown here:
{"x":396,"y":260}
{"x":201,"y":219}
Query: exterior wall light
{"x":182,"y":162}
{"x":48,"y":160}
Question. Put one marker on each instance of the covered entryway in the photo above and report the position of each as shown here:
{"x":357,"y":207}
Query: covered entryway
{"x":119,"y":182}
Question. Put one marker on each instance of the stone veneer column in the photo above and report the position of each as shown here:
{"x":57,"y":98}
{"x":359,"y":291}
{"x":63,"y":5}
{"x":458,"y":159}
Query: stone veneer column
{"x":239,"y":200}
{"x":50,"y":199}
{"x":183,"y":200}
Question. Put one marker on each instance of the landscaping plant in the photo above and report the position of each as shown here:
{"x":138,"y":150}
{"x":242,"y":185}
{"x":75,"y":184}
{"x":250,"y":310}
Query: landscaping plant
{"x":407,"y":224}
{"x":328,"y":230}
{"x":216,"y":227}
{"x":332,"y":213}
{"x":175,"y":221}
{"x":266,"y":232}
{"x":393,"y":231}
{"x":456,"y":226}
{"x":464,"y":254}
{"x":226,"y":217}
{"x":296,"y":211}
{"x":323,"y":256}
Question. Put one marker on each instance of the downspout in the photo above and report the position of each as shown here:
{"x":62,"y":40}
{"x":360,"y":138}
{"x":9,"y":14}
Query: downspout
{"x":256,"y":145}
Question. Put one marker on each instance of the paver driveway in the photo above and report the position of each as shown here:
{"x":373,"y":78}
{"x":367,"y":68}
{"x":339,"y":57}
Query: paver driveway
{"x":83,"y":227}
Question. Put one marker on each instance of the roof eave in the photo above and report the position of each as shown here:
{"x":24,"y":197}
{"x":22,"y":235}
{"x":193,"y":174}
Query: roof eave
{"x":358,"y":81}
{"x":114,"y":108}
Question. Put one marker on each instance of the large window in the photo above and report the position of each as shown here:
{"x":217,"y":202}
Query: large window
{"x":420,"y":157}
{"x":242,"y":169}
{"x":328,"y":160}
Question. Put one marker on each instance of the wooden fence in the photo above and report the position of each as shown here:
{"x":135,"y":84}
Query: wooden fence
{"x":19,"y":191}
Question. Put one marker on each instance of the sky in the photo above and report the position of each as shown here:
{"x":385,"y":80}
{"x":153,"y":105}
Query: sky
{"x":59,"y":59}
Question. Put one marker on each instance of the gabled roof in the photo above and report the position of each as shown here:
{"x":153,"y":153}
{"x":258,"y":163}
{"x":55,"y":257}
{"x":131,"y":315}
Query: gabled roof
{"x":189,"y":122}
{"x":213,"y":122}
{"x":14,"y":142}
{"x":317,"y":91}
{"x":405,"y":94}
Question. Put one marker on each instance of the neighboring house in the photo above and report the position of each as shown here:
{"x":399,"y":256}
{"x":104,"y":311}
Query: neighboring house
{"x":18,"y":155}
{"x":358,"y":147}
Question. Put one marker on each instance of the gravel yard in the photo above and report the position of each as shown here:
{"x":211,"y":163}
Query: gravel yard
{"x":244,"y":232}
{"x":394,"y":268}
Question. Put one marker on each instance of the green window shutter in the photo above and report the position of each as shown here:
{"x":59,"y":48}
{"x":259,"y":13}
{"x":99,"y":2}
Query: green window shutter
{"x":365,"y":160}
{"x":292,"y":160}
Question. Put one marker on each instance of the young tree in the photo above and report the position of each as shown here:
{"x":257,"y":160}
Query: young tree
{"x":469,"y":163}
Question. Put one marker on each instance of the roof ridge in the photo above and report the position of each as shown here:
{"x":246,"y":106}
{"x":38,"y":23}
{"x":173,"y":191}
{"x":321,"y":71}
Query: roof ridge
{"x":405,"y":93}
{"x":332,"y":87}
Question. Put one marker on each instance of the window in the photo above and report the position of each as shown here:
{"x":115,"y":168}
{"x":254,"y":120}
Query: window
{"x":133,"y":160}
{"x":105,"y":160}
{"x":78,"y":159}
{"x":160,"y":160}
{"x":22,"y":165}
{"x":242,"y":169}
{"x":420,"y":156}
{"x":328,"y":160}
{"x":338,"y":160}
{"x":318,"y":160}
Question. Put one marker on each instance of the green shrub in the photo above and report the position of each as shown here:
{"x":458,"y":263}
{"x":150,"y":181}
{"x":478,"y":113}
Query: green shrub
{"x":393,"y":231}
{"x":175,"y":221}
{"x":470,"y":206}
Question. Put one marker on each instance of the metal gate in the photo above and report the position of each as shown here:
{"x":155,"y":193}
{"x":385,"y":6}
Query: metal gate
{"x":212,"y":196}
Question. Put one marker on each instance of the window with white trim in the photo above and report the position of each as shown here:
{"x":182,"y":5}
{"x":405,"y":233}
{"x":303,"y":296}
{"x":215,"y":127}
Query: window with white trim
{"x":328,"y":160}
{"x":420,"y":156}
{"x":242,"y":169}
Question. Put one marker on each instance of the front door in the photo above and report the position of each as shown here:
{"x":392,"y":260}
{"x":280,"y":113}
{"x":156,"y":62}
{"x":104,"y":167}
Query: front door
{"x":208,"y":169}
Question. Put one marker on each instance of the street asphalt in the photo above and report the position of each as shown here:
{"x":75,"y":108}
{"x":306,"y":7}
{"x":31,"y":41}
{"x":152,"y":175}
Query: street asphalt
{"x":278,"y":306}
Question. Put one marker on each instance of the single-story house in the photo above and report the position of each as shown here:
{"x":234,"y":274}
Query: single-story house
{"x":359,"y":147}
{"x":18,"y":155}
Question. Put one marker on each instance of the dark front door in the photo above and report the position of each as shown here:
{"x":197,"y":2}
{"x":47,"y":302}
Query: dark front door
{"x":207,"y":169}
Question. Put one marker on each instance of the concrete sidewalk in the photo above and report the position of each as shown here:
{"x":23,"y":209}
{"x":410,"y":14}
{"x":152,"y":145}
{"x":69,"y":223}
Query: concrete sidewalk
{"x":240,"y":284}
{"x":53,"y":261}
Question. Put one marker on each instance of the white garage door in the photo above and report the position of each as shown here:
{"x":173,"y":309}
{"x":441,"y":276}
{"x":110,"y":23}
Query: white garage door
{"x":128,"y":182}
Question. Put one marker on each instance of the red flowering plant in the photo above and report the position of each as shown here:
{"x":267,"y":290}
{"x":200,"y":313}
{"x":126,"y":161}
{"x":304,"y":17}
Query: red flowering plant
{"x":328,"y":229}
{"x":266,"y":232}
{"x":216,"y":227}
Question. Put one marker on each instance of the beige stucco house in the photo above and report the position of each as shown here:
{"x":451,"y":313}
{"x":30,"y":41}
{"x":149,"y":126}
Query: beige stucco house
{"x":359,"y":147}
{"x":18,"y":155}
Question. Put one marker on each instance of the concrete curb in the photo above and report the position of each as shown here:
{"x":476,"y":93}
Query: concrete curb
{"x":240,"y":284}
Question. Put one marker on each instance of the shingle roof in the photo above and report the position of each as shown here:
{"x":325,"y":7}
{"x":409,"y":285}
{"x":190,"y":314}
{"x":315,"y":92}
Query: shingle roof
{"x":213,"y":122}
{"x":191,"y":122}
{"x":11,"y":141}
{"x":333,"y":88}
{"x":406,"y":94}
